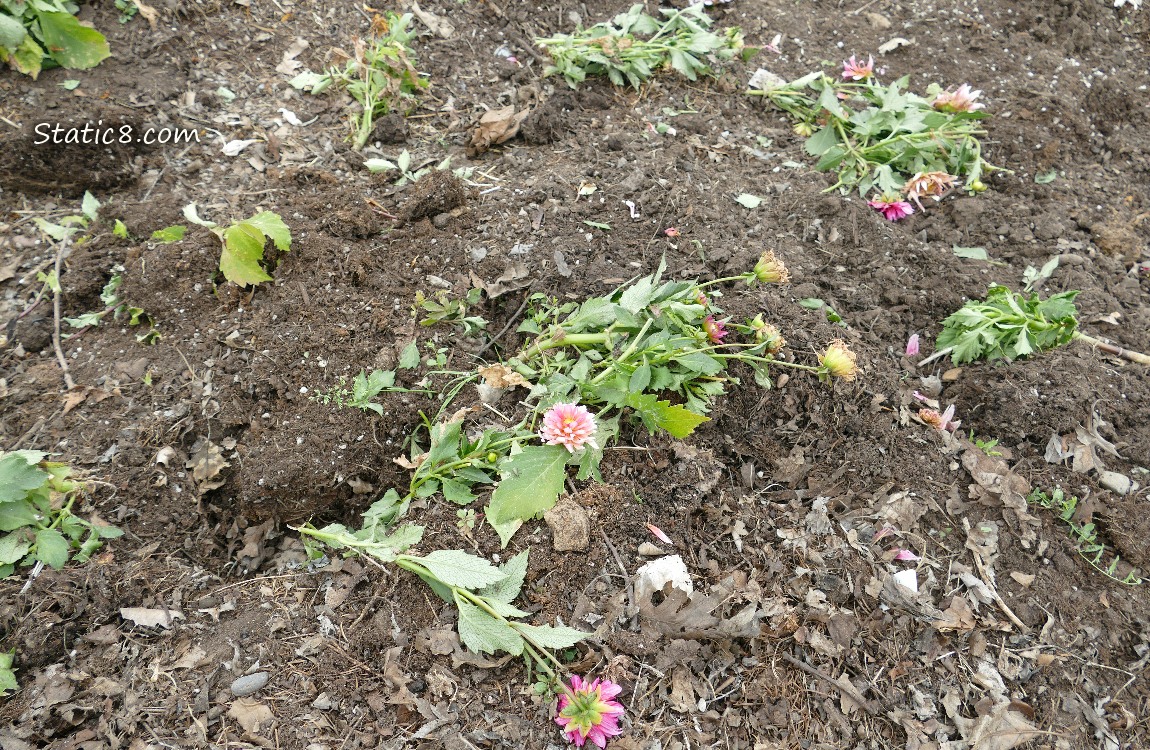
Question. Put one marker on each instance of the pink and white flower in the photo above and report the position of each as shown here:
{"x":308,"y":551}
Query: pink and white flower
{"x":569,"y":425}
{"x":891,"y":207}
{"x":944,"y":422}
{"x":589,"y":712}
{"x":716,"y":329}
{"x":858,"y":71}
{"x":961,"y":100}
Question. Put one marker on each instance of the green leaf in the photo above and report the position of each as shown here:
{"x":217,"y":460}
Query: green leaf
{"x":120,"y":230}
{"x":530,"y":483}
{"x":243,"y":251}
{"x":16,"y":515}
{"x":749,"y":201}
{"x":483,"y":634}
{"x":504,"y":530}
{"x":444,"y":446}
{"x":13,"y":547}
{"x":52,"y":548}
{"x":12,"y":35}
{"x":598,"y":225}
{"x":514,"y":571}
{"x":1047,"y":177}
{"x":7,"y":673}
{"x":700,"y":363}
{"x":27,"y":58}
{"x":174,"y":233}
{"x":822,"y":141}
{"x":273,"y":226}
{"x":457,"y":492}
{"x":551,"y":636}
{"x":676,"y":420}
{"x":974,"y":253}
{"x":90,"y":207}
{"x":71,"y":44}
{"x":409,"y":357}
{"x":20,"y":474}
{"x":640,"y":379}
{"x":458,"y":568}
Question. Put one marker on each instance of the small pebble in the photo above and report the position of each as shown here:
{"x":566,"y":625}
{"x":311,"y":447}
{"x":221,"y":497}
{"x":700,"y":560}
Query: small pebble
{"x":249,"y":684}
{"x":646,"y":549}
{"x":1112,"y":480}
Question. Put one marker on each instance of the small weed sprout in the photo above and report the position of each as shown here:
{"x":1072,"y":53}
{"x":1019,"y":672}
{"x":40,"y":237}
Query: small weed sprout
{"x":1085,"y":535}
{"x":379,"y":74}
{"x":443,"y":308}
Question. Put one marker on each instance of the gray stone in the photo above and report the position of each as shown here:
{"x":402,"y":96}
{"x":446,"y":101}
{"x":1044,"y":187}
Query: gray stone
{"x":570,"y":526}
{"x":1115,"y":482}
{"x":249,"y":684}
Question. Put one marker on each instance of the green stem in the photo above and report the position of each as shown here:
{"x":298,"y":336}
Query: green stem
{"x":566,"y":339}
{"x":613,"y":364}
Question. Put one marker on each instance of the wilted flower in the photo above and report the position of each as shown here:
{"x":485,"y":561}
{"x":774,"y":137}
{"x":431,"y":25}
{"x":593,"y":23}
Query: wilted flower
{"x":770,"y":270}
{"x":716,"y":329}
{"x":765,"y":333}
{"x":671,"y":232}
{"x":944,"y":422}
{"x":912,"y":345}
{"x":839,"y":362}
{"x":569,"y":425}
{"x":858,"y":71}
{"x":589,"y":712}
{"x":961,"y":100}
{"x":928,"y":183}
{"x":891,"y":207}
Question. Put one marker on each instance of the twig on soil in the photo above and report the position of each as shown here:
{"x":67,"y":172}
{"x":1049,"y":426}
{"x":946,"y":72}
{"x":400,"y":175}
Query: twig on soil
{"x":56,"y":312}
{"x":506,"y":328}
{"x":622,"y":569}
{"x":851,"y":691}
{"x":1117,"y":351}
{"x":978,"y":563}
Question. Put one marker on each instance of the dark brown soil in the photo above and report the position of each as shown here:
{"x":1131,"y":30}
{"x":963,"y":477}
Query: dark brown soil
{"x":774,"y":503}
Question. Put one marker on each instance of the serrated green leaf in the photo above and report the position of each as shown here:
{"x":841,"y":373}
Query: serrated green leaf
{"x":457,"y":492}
{"x":20,"y":474}
{"x":16,"y":515}
{"x":530,"y":483}
{"x":274,"y":227}
{"x":506,"y":610}
{"x":409,"y":357}
{"x":676,"y":420}
{"x":504,"y":530}
{"x":638,"y":295}
{"x":700,"y":363}
{"x":52,"y":548}
{"x":640,"y":378}
{"x":514,"y":571}
{"x":71,"y":44}
{"x":55,"y":231}
{"x":90,"y":207}
{"x":458,"y":568}
{"x":483,"y":634}
{"x":551,"y":636}
{"x":243,"y":251}
{"x":174,"y":233}
{"x":13,"y":547}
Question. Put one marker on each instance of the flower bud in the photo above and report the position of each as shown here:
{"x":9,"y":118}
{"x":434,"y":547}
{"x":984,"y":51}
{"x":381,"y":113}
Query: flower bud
{"x":805,"y":129}
{"x":978,"y":187}
{"x":770,"y":270}
{"x":839,"y":362}
{"x":765,"y":333}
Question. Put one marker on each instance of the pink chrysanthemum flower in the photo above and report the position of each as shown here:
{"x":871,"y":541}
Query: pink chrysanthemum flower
{"x":935,"y":184}
{"x":892,"y":208}
{"x":589,"y":712}
{"x":961,"y":100}
{"x":716,"y":329}
{"x":858,"y":71}
{"x":569,"y":425}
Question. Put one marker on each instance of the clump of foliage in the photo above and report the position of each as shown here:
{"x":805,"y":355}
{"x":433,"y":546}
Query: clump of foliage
{"x":379,"y":74}
{"x":37,"y":498}
{"x":39,"y":34}
{"x":652,"y":352}
{"x":115,"y":306}
{"x":1085,"y":535}
{"x":633,"y":46}
{"x":882,"y":137}
{"x":1008,"y":325}
{"x":241,"y":260}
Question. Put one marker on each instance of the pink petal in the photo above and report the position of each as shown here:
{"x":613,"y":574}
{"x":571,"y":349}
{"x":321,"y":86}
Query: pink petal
{"x":905,"y":555}
{"x":665,"y":540}
{"x":912,"y":345}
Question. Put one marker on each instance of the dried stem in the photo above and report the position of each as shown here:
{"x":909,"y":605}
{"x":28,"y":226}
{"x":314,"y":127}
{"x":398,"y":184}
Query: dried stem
{"x":56,"y":313}
{"x":1117,"y":351}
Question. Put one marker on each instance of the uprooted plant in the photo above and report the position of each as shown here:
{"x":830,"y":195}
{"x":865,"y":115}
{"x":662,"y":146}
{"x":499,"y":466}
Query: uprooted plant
{"x":589,"y":366}
{"x":379,"y":74}
{"x":242,"y":256}
{"x":633,"y":46}
{"x":46,"y":34}
{"x":37,"y":513}
{"x":884,"y":137}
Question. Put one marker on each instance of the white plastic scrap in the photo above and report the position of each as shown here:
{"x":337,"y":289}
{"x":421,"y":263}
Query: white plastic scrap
{"x":657,"y":573}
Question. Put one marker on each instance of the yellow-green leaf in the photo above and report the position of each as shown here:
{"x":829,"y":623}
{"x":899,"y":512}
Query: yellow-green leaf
{"x":243,"y":251}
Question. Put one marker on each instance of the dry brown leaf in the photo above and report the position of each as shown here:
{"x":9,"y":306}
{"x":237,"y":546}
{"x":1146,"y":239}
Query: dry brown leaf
{"x":1001,"y":729}
{"x":496,"y":126}
{"x":206,"y":462}
{"x":682,"y":696}
{"x":251,"y":714}
{"x":289,"y":65}
{"x":683,"y":615}
{"x":438,"y":25}
{"x":148,"y":13}
{"x":515,"y":276}
{"x":502,"y":376}
{"x":958,"y":616}
{"x":995,"y":477}
{"x":191,"y":658}
{"x":147,"y":617}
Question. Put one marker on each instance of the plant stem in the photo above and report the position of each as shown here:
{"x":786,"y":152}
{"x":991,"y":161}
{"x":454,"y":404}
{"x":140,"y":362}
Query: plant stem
{"x":1117,"y":351}
{"x":559,"y":338}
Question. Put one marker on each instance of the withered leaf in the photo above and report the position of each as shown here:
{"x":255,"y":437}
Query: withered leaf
{"x":496,"y":126}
